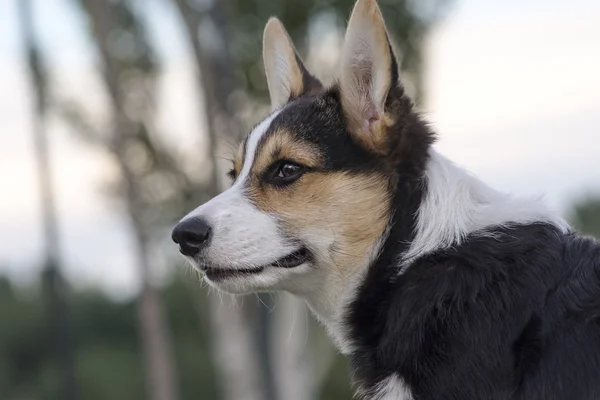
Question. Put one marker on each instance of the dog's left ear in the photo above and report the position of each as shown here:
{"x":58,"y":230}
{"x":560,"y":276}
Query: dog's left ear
{"x":369,"y":71}
{"x":287,"y":77}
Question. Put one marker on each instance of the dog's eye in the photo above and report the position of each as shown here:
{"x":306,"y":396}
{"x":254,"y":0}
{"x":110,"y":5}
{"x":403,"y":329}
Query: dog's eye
{"x":285,"y":172}
{"x":288,"y":170}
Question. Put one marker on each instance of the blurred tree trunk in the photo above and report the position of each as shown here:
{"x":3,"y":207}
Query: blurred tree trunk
{"x":233,"y":337}
{"x":54,"y":286}
{"x":161,"y":379}
{"x":301,"y":361}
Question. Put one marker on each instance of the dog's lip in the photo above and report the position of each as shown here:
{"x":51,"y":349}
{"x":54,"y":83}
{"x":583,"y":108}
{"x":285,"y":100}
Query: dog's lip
{"x":292,"y":260}
{"x":216,"y":274}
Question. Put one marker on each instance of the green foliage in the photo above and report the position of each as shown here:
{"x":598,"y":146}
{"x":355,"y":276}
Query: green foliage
{"x":109,"y":359}
{"x":24,"y":346}
{"x":337,"y":385}
{"x":586,"y":216}
{"x":110,"y":372}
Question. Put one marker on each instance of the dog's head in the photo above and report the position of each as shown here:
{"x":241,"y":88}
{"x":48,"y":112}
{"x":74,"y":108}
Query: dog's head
{"x":314,"y":181}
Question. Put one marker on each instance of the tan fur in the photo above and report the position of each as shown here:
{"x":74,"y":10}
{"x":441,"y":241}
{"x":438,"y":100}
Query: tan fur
{"x":351,"y":210}
{"x":238,"y":160}
{"x":282,"y":146}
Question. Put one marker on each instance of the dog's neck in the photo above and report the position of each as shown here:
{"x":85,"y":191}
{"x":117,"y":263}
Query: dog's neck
{"x":330,"y":296}
{"x":453,"y":205}
{"x":457,"y":204}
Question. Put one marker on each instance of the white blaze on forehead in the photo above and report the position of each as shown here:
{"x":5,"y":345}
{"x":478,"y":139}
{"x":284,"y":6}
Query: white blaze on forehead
{"x":252,"y":146}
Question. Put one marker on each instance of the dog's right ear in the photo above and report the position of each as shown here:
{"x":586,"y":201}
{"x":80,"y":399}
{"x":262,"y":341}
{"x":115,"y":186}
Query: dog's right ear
{"x":287,"y":77}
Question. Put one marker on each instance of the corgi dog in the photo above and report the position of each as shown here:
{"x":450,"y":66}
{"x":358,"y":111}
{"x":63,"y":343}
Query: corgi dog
{"x":435,"y":285}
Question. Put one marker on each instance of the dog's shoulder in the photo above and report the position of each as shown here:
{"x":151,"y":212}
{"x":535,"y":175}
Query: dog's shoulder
{"x":454,"y":313}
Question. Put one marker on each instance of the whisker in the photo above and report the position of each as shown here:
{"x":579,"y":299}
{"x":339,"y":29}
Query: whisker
{"x":306,"y":330}
{"x":263,"y":303}
{"x":292,"y":326}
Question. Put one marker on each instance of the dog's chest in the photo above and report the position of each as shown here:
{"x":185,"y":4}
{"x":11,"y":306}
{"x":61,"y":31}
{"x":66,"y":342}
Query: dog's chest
{"x":391,"y":388}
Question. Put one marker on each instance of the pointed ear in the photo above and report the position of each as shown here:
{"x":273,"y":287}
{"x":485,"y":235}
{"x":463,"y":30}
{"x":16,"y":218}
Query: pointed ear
{"x":287,"y":77}
{"x":369,"y":70}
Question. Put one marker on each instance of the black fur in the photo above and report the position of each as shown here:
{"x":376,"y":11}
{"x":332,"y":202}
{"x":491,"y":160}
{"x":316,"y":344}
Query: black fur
{"x":316,"y":116}
{"x":318,"y":120}
{"x":510,"y":314}
{"x":513,"y":315}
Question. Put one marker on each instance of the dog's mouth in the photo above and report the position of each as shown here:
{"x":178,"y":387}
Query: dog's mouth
{"x":219,"y":274}
{"x":292,"y":260}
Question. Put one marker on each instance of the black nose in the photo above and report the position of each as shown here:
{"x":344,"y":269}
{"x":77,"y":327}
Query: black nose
{"x":191,"y":235}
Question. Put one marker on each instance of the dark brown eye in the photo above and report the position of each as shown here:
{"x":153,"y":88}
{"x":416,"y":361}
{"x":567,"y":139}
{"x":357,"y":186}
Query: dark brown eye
{"x":288,"y":170}
{"x":284,"y":172}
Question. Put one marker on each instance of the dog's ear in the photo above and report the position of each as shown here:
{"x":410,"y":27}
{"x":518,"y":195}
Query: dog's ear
{"x":287,"y":77}
{"x":369,"y":72}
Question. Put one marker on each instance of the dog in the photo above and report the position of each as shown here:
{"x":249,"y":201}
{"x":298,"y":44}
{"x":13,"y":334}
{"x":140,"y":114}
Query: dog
{"x":435,"y":285}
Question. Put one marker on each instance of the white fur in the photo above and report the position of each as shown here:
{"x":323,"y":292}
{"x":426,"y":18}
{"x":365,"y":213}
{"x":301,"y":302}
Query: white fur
{"x":251,"y":147}
{"x":457,"y":204}
{"x":329,"y":302}
{"x":243,"y":236}
{"x":392,"y":388}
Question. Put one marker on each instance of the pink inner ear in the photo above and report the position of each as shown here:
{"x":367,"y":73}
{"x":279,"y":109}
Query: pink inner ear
{"x":370,"y":117}
{"x":367,"y":113}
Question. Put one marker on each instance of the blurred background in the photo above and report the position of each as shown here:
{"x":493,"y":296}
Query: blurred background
{"x":117,"y":117}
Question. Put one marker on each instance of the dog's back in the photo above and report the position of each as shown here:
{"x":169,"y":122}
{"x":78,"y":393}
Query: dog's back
{"x":511,"y":313}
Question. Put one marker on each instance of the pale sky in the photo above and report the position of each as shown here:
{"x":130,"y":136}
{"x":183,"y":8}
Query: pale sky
{"x":512,"y":87}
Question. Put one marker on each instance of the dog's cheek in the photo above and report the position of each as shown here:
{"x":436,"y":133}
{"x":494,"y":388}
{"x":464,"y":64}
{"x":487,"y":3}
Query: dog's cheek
{"x":338,"y":215}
